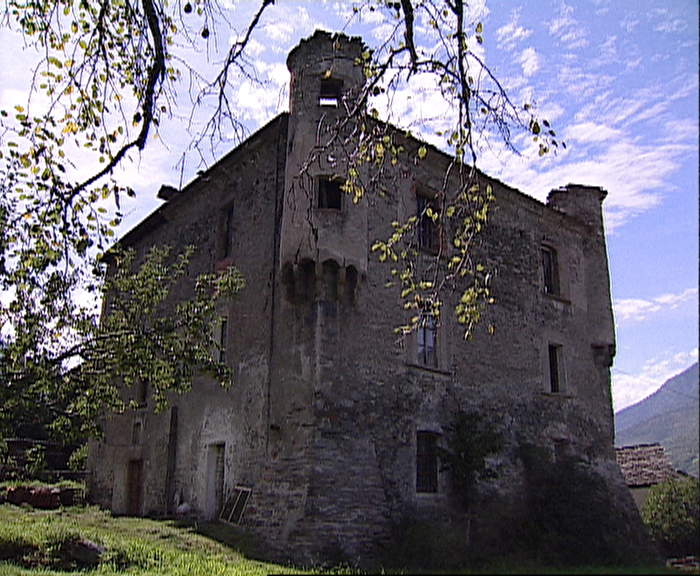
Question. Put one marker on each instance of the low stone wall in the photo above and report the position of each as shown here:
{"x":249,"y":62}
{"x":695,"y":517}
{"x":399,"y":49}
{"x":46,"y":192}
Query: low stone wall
{"x":43,"y":497}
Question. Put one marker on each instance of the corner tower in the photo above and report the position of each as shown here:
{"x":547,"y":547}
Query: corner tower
{"x":322,"y":229}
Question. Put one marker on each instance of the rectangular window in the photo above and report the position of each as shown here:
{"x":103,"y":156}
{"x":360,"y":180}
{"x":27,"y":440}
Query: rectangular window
{"x":550,"y":269}
{"x":221,"y":339}
{"x":426,"y":349}
{"x":331,"y":92}
{"x":427,"y":228}
{"x":142,"y":392}
{"x":330,"y":193}
{"x":426,"y":462}
{"x":228,"y":240}
{"x":555,"y":368}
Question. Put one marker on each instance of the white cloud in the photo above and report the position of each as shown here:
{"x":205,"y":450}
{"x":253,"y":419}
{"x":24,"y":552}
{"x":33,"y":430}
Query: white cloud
{"x":530,"y":61}
{"x":630,"y":22}
{"x":564,"y":20}
{"x":575,"y":38}
{"x":629,"y":389}
{"x":586,"y":132}
{"x":569,"y":31}
{"x":633,"y":64}
{"x":583,"y":85}
{"x":254,"y":47}
{"x":666,"y":22}
{"x":608,"y":51}
{"x":511,"y":32}
{"x":596,"y":155}
{"x":638,"y":309}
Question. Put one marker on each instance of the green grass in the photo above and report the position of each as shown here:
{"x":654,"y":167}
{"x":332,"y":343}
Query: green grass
{"x":34,"y":542}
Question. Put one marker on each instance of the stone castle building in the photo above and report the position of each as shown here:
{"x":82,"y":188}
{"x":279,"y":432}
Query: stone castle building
{"x":328,"y":439}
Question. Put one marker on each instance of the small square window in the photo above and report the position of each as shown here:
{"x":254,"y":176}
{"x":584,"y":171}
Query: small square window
{"x":550,"y":269}
{"x":330,"y":193}
{"x":426,"y":462}
{"x":331,"y":92}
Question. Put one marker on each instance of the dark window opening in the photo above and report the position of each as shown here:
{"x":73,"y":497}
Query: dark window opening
{"x":222,"y":339}
{"x":228,"y":240}
{"x":331,"y":92}
{"x":550,"y":268}
{"x":426,"y":462}
{"x":350,"y":284}
{"x":141,"y":392}
{"x":427,"y":227}
{"x":330,"y":193}
{"x":330,"y":281}
{"x":427,"y":330}
{"x":307,"y":282}
{"x":554,"y":368}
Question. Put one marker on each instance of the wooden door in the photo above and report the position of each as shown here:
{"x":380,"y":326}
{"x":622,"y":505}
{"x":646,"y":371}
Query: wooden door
{"x":134,"y":487}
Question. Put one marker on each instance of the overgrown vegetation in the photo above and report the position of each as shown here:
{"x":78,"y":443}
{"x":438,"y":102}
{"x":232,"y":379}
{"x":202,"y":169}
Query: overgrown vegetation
{"x":569,"y":506}
{"x":60,"y":373}
{"x":671,"y":511}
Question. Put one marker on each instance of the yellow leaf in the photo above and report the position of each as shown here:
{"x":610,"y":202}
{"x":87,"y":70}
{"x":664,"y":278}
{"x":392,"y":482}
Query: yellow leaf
{"x":71,"y":128}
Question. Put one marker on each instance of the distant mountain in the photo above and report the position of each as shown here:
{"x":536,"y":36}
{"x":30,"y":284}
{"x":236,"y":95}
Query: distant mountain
{"x":670,"y":417}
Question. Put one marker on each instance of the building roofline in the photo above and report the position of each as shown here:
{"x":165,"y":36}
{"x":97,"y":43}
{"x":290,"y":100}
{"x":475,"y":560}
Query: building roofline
{"x":174,"y":196}
{"x":534,"y":202}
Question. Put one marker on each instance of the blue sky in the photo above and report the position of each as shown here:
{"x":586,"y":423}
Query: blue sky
{"x":618,"y":79}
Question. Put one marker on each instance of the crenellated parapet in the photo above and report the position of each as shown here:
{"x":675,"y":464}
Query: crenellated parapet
{"x":309,"y":282}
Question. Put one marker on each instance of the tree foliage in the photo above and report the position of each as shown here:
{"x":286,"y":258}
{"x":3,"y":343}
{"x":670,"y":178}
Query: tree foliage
{"x":109,"y":73}
{"x":469,"y":442}
{"x":671,"y":511}
{"x":57,"y":380}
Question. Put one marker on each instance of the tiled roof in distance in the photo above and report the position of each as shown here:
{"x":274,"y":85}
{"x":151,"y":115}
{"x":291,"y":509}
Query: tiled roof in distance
{"x":644,"y":465}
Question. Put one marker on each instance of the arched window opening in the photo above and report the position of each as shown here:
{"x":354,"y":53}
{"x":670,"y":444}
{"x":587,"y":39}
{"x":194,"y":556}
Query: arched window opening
{"x":330,"y":280}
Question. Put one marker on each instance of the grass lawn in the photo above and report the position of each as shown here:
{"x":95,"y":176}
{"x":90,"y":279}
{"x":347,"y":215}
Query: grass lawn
{"x":40,"y":542}
{"x":45,"y":542}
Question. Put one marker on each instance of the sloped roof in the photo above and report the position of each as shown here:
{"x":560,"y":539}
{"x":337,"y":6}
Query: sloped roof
{"x":644,"y":465}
